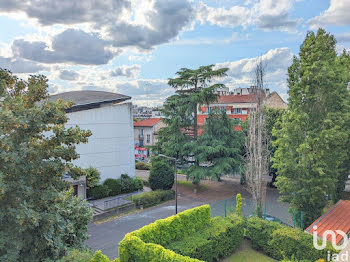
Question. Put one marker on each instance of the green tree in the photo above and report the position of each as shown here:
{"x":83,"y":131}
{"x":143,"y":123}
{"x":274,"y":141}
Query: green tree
{"x":93,"y":177}
{"x":194,"y":87}
{"x":161,"y":175}
{"x":219,"y":149}
{"x":312,"y":144}
{"x":40,"y":218}
{"x":273,"y":118}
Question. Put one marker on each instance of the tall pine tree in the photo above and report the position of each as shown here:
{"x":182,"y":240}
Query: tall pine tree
{"x":312,"y":143}
{"x":219,"y":149}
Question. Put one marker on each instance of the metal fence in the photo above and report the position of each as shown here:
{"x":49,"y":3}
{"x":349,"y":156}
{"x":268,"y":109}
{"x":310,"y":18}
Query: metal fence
{"x":275,"y":211}
{"x":118,"y":200}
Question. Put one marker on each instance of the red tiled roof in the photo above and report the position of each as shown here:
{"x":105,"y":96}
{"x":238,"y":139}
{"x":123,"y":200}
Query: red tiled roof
{"x":251,"y":98}
{"x":147,"y":122}
{"x":336,"y":218}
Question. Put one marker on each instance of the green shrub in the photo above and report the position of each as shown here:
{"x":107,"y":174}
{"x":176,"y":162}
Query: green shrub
{"x":173,"y":228}
{"x":142,"y":166}
{"x":152,"y":198}
{"x":161,"y":175}
{"x":289,"y":242}
{"x":99,"y":191}
{"x":114,"y":185}
{"x":219,"y":240}
{"x":282,"y":242}
{"x":76,"y":255}
{"x":138,"y":183}
{"x":260,"y":232}
{"x":143,"y":245}
{"x":128,"y":184}
{"x":133,"y":249}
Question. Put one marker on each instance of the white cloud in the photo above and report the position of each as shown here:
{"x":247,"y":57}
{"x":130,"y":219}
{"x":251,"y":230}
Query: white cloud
{"x":241,"y":72}
{"x":19,"y":65}
{"x":69,"y":75}
{"x":264,"y":14}
{"x":70,"y":46}
{"x":336,"y":14}
{"x":126,"y":71}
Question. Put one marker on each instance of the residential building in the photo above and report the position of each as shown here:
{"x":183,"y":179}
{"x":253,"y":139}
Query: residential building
{"x":145,"y":132}
{"x":108,"y":116}
{"x":239,"y":103}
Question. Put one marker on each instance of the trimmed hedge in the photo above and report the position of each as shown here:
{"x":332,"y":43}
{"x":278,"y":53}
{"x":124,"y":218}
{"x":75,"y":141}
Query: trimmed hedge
{"x":219,"y":240}
{"x":283,"y":242}
{"x":142,"y":166}
{"x":152,"y":198}
{"x":164,"y":231}
{"x":114,"y":187}
{"x":260,"y":231}
{"x":146,"y":244}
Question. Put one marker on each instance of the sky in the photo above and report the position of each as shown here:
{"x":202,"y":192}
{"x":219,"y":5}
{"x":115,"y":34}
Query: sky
{"x":132,"y":47}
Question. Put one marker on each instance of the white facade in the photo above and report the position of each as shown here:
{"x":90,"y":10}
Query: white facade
{"x":111,"y":146}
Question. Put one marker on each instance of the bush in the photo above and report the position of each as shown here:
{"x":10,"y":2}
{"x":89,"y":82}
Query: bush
{"x":289,"y":242}
{"x":114,"y":185}
{"x":76,"y":255}
{"x":142,"y":166}
{"x":152,"y":198}
{"x":219,"y":240}
{"x":99,"y":257}
{"x":138,"y":183}
{"x":260,"y":232}
{"x":283,"y":242}
{"x":99,"y":191}
{"x":128,"y":184}
{"x":143,"y":245}
{"x":164,"y":231}
{"x":161,"y":175}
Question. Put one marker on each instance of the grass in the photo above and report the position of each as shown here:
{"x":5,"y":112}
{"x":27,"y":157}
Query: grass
{"x":245,"y":253}
{"x":191,"y":185}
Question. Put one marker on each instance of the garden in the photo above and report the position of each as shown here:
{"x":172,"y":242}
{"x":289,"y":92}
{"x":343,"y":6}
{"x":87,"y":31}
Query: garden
{"x":194,"y":236}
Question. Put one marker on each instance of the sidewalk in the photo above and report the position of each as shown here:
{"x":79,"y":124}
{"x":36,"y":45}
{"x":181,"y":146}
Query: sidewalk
{"x":114,"y":201}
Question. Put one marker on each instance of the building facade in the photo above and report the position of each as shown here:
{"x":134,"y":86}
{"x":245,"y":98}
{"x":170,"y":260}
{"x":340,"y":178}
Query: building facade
{"x":108,"y":116}
{"x":239,"y":103}
{"x":145,"y":133}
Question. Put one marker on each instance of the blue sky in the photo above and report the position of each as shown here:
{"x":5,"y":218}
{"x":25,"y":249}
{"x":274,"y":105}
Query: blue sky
{"x":134,"y":46}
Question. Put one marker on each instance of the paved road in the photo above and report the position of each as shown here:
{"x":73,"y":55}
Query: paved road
{"x":106,"y":236}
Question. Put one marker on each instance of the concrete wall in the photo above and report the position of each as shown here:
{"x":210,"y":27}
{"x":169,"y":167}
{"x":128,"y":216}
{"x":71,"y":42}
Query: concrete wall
{"x":111,"y":147}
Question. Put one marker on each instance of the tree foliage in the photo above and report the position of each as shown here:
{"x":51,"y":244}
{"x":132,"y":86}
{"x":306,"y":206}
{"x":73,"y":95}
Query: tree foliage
{"x":312,"y":155}
{"x":194,"y":87}
{"x":161,"y":175}
{"x":219,"y":149}
{"x":39,"y":217}
{"x":93,"y":177}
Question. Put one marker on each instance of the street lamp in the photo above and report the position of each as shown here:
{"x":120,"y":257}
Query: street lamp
{"x":175,"y":168}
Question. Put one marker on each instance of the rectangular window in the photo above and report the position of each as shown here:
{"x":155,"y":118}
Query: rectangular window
{"x":148,"y":138}
{"x":236,"y":111}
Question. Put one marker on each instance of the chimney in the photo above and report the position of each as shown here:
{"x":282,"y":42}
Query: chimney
{"x":267,"y":92}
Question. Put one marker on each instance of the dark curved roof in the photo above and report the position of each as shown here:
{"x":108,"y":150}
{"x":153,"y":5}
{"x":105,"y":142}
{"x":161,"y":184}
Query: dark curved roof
{"x":87,"y":99}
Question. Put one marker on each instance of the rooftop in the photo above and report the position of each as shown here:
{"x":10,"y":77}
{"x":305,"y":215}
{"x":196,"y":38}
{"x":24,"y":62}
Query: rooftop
{"x":336,"y":218}
{"x":148,"y":122}
{"x":251,"y":98}
{"x":86,"y":99}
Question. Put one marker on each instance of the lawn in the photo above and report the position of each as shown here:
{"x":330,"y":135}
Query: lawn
{"x":245,"y":253}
